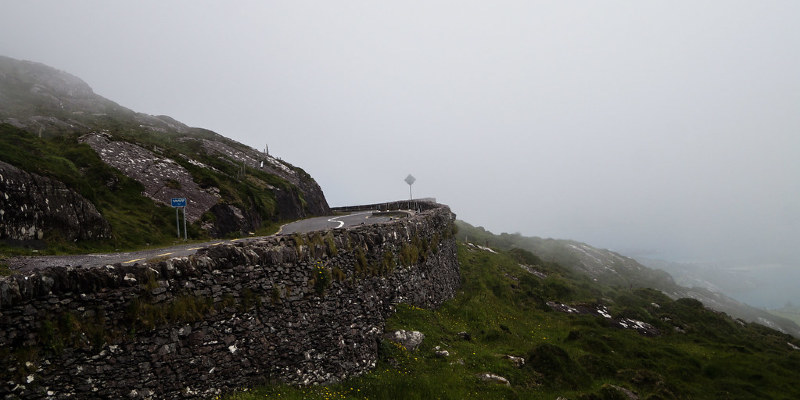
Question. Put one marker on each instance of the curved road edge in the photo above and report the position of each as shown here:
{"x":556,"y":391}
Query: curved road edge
{"x":31,"y":263}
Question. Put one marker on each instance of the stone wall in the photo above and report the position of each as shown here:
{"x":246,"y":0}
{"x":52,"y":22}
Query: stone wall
{"x":300,"y":309}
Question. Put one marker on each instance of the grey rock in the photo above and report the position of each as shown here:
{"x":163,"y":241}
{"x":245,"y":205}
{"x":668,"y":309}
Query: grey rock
{"x":408,"y":339}
{"x":493,"y":378}
{"x":32,"y":207}
{"x":157,"y":174}
{"x":516,"y":361}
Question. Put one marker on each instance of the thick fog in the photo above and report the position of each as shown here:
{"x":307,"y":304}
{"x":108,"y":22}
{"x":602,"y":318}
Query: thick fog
{"x":662,"y":129}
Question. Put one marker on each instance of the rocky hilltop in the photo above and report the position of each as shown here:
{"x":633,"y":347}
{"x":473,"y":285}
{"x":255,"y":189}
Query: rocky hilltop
{"x":123,"y":168}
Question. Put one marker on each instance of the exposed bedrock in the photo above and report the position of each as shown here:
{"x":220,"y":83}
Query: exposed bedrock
{"x":33,"y":207}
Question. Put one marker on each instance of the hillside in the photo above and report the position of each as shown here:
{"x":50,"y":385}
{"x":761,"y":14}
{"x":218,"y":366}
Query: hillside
{"x":525,"y":328}
{"x":609,"y":268}
{"x":73,"y":159}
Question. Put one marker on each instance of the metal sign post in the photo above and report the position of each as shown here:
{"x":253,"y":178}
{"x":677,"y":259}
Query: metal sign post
{"x":410,"y":181}
{"x":180,"y":202}
{"x":185,"y":232}
{"x":178,"y":221}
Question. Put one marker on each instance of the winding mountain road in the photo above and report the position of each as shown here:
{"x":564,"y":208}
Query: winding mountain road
{"x":25,"y":264}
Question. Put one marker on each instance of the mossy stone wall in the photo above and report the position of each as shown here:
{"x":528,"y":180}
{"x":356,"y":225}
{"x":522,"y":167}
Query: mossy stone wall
{"x":297,"y":309}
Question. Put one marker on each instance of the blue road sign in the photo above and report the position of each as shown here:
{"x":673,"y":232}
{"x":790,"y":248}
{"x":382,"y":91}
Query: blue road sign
{"x":179,"y":201}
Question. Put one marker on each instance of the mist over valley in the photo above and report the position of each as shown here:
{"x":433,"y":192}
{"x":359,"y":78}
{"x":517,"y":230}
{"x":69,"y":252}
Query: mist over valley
{"x":606,"y":192}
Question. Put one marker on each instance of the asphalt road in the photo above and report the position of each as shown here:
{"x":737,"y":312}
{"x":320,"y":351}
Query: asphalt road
{"x":325,"y":223}
{"x":25,"y":264}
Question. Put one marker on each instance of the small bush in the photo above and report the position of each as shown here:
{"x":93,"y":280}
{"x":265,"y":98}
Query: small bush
{"x":298,"y":244}
{"x":320,"y":279}
{"x":316,"y":240}
{"x":690,"y":303}
{"x":409,"y":254}
{"x":331,"y":245}
{"x":361,"y":261}
{"x":388,"y":262}
{"x":556,"y":366}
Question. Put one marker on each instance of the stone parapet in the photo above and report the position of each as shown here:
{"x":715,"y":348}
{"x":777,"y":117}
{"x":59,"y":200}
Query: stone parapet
{"x":300,"y":309}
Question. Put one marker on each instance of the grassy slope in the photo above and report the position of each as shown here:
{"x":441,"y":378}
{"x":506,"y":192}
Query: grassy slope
{"x":502,"y":307}
{"x":136,"y":221}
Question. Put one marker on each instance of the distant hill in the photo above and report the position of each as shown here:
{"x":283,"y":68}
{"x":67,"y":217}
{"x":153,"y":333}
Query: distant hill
{"x":789,"y":312}
{"x":78,"y":171}
{"x":609,"y":268}
{"x":765,"y":285}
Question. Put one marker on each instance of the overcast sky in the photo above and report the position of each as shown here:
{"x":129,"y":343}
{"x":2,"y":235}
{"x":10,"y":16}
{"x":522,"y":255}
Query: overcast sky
{"x":660,"y":128}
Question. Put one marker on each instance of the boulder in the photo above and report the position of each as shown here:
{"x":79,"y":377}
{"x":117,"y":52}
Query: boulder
{"x":493,"y":378}
{"x":408,"y":339}
{"x":517,"y":361}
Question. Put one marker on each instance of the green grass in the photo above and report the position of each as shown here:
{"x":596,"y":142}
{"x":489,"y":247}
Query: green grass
{"x":4,"y":269}
{"x":144,"y":315}
{"x":136,"y":221}
{"x":502,"y":308}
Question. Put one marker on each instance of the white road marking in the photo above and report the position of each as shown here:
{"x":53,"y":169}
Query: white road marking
{"x":341,"y":223}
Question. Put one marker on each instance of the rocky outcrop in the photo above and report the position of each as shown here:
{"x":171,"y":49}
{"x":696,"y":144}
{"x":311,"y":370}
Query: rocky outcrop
{"x":599,"y":310}
{"x":164,"y":179}
{"x":315,"y":203}
{"x":161,"y":177}
{"x":34,"y":207}
{"x":299,"y":309}
{"x":229,"y":218}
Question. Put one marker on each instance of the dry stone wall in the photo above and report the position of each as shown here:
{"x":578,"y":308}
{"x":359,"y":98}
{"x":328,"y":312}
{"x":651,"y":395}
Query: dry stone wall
{"x":301,"y":309}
